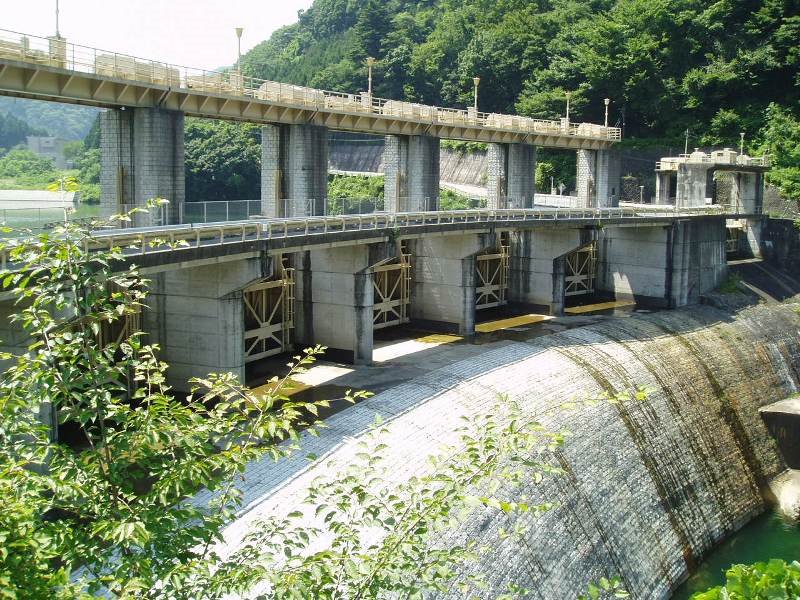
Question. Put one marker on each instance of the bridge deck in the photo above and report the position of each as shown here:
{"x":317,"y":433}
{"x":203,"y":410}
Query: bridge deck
{"x":158,"y":246}
{"x":52,"y":69}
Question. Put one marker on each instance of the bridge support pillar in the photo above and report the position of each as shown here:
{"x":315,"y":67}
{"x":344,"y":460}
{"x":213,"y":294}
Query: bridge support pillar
{"x":142,"y":157}
{"x":336,"y":302}
{"x":196,"y":315}
{"x":294,"y":170}
{"x":597,"y":181}
{"x":443,"y":289}
{"x":663,"y":266}
{"x":510,"y":176}
{"x":411,"y":173}
{"x":537,"y":267}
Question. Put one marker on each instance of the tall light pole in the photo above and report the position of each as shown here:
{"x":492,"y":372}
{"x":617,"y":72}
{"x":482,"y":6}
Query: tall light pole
{"x":607,"y":101}
{"x":239,"y":31}
{"x":58,"y":34}
{"x":370,"y":64}
{"x":741,"y":143}
{"x":476,"y":81}
{"x":568,"y":95}
{"x":686,"y":145}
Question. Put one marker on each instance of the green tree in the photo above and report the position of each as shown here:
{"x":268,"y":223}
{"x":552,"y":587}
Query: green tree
{"x":780,"y":139}
{"x":772,"y":580}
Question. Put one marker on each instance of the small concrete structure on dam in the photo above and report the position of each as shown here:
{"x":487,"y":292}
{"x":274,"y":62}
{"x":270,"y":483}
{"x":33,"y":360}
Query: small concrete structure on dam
{"x":647,"y":487}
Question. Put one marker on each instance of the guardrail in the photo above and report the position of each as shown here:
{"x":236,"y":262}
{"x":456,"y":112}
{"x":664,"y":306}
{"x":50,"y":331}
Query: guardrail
{"x":57,"y":52}
{"x":149,"y":240}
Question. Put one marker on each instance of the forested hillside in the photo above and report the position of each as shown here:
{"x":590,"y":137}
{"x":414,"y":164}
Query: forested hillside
{"x":65,"y":121}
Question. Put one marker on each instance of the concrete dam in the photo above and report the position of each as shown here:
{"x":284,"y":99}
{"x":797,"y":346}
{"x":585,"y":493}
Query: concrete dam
{"x":648,"y":487}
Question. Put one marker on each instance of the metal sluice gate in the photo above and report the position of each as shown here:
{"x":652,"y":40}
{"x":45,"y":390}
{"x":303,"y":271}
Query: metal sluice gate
{"x":269,"y":315}
{"x":391,"y":289}
{"x":491,"y":274}
{"x":581,"y":270}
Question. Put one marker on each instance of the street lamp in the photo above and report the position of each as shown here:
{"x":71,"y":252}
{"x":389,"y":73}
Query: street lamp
{"x":568,"y":95}
{"x":239,"y":31}
{"x":641,"y":194}
{"x":58,"y":34}
{"x":370,"y":64}
{"x":607,"y":101}
{"x":741,"y":143}
{"x":476,"y":81}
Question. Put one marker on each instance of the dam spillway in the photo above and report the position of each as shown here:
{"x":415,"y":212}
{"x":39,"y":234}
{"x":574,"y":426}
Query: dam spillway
{"x":648,"y":487}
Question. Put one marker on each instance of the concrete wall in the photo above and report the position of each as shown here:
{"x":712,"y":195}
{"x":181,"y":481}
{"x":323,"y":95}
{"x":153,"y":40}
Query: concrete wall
{"x":294,"y":170}
{"x":663,"y":266}
{"x":691,"y":188}
{"x":142,"y":157}
{"x":443,"y":287}
{"x":196,"y":315}
{"x":535,"y":276}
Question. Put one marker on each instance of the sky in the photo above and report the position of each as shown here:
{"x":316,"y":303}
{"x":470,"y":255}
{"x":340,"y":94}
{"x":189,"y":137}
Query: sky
{"x":190,"y":33}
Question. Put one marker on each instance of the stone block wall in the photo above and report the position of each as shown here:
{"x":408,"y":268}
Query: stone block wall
{"x":496,"y":175}
{"x":586,"y":183}
{"x":521,"y":175}
{"x":116,"y":164}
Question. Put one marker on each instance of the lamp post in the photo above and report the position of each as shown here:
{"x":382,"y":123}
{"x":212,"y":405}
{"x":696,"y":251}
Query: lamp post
{"x":568,"y":95}
{"x":686,"y":145}
{"x":239,"y":31}
{"x":476,"y":81}
{"x":741,"y":143}
{"x":641,"y":194}
{"x":607,"y":101}
{"x":58,"y":34}
{"x":370,"y":64}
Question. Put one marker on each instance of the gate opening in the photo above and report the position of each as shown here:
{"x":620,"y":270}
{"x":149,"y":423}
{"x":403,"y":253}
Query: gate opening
{"x":581,"y":271}
{"x":491,"y":272}
{"x":269,"y":315}
{"x":391,"y":290}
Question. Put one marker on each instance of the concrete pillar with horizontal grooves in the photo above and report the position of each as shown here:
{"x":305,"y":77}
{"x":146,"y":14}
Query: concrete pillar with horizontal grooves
{"x":586,"y":184}
{"x":496,"y":176}
{"x":294,"y":170}
{"x":142,"y":157}
{"x":411,"y":171}
{"x":521,"y":175}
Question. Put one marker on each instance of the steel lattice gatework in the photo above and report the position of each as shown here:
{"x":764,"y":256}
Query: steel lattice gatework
{"x":391,"y":288}
{"x":269,"y":315}
{"x":581,"y":270}
{"x":491,"y":273}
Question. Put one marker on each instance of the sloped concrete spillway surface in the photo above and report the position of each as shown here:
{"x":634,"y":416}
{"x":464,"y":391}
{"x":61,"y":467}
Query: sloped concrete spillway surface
{"x":648,"y":488}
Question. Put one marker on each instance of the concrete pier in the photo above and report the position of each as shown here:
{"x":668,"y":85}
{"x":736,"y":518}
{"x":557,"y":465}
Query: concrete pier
{"x":511,"y":175}
{"x":598,"y":178}
{"x":142,"y":157}
{"x":411,"y":173}
{"x":196,"y":316}
{"x":294,"y":170}
{"x":443,"y":289}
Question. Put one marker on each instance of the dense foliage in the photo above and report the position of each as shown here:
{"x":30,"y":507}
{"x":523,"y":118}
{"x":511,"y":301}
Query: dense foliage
{"x":772,"y":580}
{"x":223,"y":160}
{"x":22,"y":168}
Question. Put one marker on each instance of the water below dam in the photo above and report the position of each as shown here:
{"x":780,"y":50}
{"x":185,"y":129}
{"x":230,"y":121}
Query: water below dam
{"x":769,"y":536}
{"x":649,"y":488}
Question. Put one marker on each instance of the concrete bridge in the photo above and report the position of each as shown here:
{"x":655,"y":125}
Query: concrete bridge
{"x":142,"y":132}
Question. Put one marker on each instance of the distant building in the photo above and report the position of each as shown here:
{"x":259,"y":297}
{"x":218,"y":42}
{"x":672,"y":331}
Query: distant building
{"x":49,"y":147}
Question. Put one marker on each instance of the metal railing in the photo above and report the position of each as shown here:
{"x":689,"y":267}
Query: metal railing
{"x":217,"y":210}
{"x":57,"y":52}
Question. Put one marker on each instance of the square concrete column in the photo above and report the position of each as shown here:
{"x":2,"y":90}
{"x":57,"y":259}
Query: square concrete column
{"x":497,"y":176}
{"x":411,"y":170}
{"x":443,"y":289}
{"x":586,"y":184}
{"x":521,"y":175}
{"x":196,"y":315}
{"x":142,"y":157}
{"x":664,"y":187}
{"x":336,"y":306}
{"x":691,"y":188}
{"x":536,"y":276}
{"x":294,"y":170}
